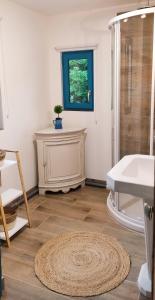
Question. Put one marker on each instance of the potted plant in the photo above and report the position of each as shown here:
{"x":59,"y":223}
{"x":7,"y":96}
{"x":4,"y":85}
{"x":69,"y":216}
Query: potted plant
{"x":58,"y":121}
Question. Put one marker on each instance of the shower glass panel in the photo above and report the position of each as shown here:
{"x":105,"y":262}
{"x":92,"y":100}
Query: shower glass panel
{"x":135,"y":84}
{"x":133,"y":72}
{"x":112,"y":83}
{"x":136,"y":48}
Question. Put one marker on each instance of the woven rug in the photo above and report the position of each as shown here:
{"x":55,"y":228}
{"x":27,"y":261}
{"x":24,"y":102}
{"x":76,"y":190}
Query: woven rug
{"x":82,"y":264}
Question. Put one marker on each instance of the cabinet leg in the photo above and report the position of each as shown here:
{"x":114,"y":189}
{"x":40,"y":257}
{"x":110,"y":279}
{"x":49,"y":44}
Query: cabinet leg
{"x":5,"y":225}
{"x":23,"y":186}
{"x":42,"y":192}
{"x":83,"y":184}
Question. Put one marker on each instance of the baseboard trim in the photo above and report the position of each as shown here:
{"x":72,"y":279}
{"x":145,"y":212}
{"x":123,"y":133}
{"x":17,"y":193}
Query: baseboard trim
{"x":96,"y":182}
{"x":30,"y":193}
{"x":35,"y":191}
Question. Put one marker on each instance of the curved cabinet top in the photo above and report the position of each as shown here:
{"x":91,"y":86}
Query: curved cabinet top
{"x":58,"y":132}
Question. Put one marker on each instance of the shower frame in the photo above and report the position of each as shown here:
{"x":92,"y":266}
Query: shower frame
{"x":113,"y":199}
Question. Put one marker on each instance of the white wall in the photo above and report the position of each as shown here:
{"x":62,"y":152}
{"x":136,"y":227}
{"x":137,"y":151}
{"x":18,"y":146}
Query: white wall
{"x":31,"y":82}
{"x":24,"y":84}
{"x":82,"y":29}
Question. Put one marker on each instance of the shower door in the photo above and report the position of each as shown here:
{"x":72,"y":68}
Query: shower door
{"x":133,"y":56}
{"x":135,"y":84}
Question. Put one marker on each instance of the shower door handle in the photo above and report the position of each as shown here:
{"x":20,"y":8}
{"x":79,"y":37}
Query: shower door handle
{"x":128,"y":59}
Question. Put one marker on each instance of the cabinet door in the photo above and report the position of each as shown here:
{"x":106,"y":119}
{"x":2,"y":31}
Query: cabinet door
{"x":63,"y":160}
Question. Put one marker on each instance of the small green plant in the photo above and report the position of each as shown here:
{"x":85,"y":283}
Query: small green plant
{"x":58,"y":109}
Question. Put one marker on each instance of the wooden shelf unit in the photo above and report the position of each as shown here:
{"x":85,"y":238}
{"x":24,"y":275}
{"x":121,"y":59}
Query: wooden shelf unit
{"x":10,"y":195}
{"x":20,"y":223}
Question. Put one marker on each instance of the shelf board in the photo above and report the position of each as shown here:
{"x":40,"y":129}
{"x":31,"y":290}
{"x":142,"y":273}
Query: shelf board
{"x":20,"y":223}
{"x":10,"y":195}
{"x":6,"y":163}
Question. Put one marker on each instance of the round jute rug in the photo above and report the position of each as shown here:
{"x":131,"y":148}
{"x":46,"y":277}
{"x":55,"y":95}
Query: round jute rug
{"x":82,"y":263}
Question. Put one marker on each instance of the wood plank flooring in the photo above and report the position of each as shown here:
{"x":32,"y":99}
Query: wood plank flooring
{"x":83,"y":209}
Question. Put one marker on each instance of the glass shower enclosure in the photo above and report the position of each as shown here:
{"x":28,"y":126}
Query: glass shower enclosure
{"x":133,"y":92}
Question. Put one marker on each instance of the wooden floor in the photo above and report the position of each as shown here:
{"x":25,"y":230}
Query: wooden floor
{"x":83,"y":209}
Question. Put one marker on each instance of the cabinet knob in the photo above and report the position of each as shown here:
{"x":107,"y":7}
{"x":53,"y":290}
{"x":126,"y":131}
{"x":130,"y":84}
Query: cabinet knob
{"x":44,"y":164}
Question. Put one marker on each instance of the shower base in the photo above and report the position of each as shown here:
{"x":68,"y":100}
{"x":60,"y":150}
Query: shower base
{"x":130,"y":213}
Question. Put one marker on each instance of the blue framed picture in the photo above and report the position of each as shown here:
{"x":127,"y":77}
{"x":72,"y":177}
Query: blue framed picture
{"x":78,"y":80}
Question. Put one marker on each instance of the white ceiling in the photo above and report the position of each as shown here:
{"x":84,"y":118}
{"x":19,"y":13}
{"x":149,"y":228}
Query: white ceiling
{"x":51,"y":7}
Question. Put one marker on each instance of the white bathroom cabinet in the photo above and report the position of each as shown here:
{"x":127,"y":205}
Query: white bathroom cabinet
{"x":61,"y":159}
